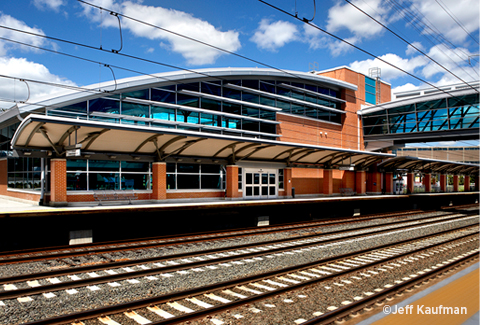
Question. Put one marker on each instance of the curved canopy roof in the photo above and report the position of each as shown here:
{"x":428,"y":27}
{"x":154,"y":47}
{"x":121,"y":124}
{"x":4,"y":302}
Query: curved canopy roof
{"x":429,"y":165}
{"x":56,"y":135}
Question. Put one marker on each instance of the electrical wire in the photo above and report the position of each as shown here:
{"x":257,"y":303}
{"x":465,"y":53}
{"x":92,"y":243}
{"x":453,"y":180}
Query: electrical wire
{"x":410,"y":44}
{"x":443,"y":6}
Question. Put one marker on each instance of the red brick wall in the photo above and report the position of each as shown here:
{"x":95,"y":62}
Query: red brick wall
{"x":310,"y":181}
{"x":58,"y":180}
{"x":196,"y":195}
{"x":232,"y":181}
{"x":159,"y":181}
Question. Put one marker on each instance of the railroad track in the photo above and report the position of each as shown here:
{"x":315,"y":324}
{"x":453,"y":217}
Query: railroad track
{"x":29,"y":255}
{"x":258,"y":293}
{"x":176,"y":263}
{"x":220,"y":262}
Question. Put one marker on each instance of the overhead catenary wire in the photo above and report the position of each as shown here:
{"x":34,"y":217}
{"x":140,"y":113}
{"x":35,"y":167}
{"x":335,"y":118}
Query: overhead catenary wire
{"x":443,"y":6}
{"x":410,"y":44}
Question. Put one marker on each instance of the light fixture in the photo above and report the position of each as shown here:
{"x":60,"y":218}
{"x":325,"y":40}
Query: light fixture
{"x":27,"y":153}
{"x":112,"y":157}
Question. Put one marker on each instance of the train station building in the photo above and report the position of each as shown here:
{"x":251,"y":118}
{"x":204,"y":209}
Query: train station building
{"x":216,"y":134}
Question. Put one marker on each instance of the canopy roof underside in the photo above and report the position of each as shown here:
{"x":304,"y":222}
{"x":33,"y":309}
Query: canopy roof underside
{"x":424,"y":165}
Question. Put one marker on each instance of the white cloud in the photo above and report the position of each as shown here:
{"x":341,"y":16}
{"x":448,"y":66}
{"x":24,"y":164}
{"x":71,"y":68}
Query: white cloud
{"x":15,"y":90}
{"x":48,"y":4}
{"x":389,"y":72}
{"x":173,"y":20}
{"x":432,"y":15}
{"x":412,"y":49}
{"x":273,"y":35}
{"x":9,"y":21}
{"x":405,"y":87}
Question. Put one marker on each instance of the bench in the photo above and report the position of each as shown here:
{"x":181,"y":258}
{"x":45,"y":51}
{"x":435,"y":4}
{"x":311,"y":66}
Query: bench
{"x":347,"y":191}
{"x":121,"y":196}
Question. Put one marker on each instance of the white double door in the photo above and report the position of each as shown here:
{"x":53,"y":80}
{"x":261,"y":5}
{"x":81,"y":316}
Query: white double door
{"x":260,"y":183}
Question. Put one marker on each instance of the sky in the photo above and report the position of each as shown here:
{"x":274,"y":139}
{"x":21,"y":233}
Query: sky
{"x":440,"y":40}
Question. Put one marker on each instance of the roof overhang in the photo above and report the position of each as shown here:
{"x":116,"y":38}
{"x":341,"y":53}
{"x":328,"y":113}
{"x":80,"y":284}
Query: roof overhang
{"x":424,"y":165}
{"x":49,"y":135}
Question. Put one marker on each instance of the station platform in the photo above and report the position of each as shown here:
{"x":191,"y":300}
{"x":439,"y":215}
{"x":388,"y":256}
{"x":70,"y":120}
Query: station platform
{"x":28,"y":225}
{"x":459,"y":290}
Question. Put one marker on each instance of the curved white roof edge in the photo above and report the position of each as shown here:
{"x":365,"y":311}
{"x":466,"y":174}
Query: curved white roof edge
{"x":65,"y":97}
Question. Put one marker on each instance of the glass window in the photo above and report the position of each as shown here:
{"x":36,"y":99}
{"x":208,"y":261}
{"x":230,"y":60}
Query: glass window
{"x":267,"y":87}
{"x":250,"y":125}
{"x":250,"y":111}
{"x":432,"y":104}
{"x":161,"y":113}
{"x":79,"y":108}
{"x":211,"y":104}
{"x":103,"y":181}
{"x":232,"y":93}
{"x":104,"y":105}
{"x":187,"y":116}
{"x":188,"y":168}
{"x":231,"y":123}
{"x":194,"y":86}
{"x":232,"y":108}
{"x":251,"y":98}
{"x":141,"y":94}
{"x":76,"y":165}
{"x":133,"y":166}
{"x":211,"y":181}
{"x":280,"y":179}
{"x":285,"y":106}
{"x":135,"y":109}
{"x":163,"y":96}
{"x":103,"y":165}
{"x":171,"y":182}
{"x":208,"y":88}
{"x":267,"y":128}
{"x":185,"y":181}
{"x":267,"y":101}
{"x":250,"y":83}
{"x":210,"y":119}
{"x":284,"y":91}
{"x":187,"y":100}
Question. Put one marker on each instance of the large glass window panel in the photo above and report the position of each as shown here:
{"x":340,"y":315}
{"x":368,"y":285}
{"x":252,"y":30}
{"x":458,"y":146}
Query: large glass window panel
{"x":37,"y":180}
{"x":211,"y":89}
{"x":131,"y":166}
{"x":231,"y":123}
{"x":104,"y":105}
{"x":211,"y":104}
{"x":171,"y":184}
{"x":161,"y":113}
{"x":135,"y":181}
{"x":211,"y":181}
{"x":267,"y":87}
{"x":210,"y":169}
{"x":402,"y":109}
{"x":187,"y":100}
{"x":250,"y":111}
{"x":251,"y":98}
{"x":284,"y":91}
{"x":171,"y":167}
{"x":285,"y":106}
{"x":163,"y":96}
{"x":432,"y":104}
{"x":77,"y":181}
{"x":141,"y":94}
{"x":76,"y":165}
{"x":185,"y":181}
{"x":298,"y":109}
{"x":323,"y":115}
{"x":298,"y":95}
{"x":370,"y":98}
{"x":232,"y":108}
{"x":250,"y":125}
{"x":132,"y":109}
{"x":103,"y":165}
{"x":79,"y":108}
{"x":232,"y":93}
{"x":311,"y":112}
{"x":267,"y":101}
{"x":440,"y":114}
{"x":193,"y":86}
{"x":250,"y":83}
{"x":210,"y":119}
{"x":103,"y":181}
{"x":267,"y":115}
{"x":267,"y":128}
{"x":471,"y":110}
{"x":188,"y":168}
{"x":187,"y":116}
{"x":463,"y":100}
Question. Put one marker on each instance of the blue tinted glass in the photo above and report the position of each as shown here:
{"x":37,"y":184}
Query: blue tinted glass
{"x":370,"y":98}
{"x":104,"y":105}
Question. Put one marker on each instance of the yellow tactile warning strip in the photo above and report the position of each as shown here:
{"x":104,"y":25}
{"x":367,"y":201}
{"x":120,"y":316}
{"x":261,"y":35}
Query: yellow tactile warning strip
{"x":452,"y":304}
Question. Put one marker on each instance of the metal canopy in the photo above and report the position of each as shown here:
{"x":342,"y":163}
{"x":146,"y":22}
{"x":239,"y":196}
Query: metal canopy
{"x":51,"y":135}
{"x":423,"y":165}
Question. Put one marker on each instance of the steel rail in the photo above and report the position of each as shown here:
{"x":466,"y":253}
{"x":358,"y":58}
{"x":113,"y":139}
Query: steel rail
{"x":115,"y":309}
{"x":119,"y":245}
{"x":153,"y":271}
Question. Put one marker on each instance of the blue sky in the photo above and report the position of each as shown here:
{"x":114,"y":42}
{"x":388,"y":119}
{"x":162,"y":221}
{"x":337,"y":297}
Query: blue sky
{"x":446,"y":30}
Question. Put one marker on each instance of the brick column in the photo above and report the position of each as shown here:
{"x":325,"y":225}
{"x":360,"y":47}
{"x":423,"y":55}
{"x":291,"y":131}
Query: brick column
{"x":388,"y":183}
{"x":443,"y":182}
{"x":466,"y":183}
{"x":159,"y":181}
{"x":327,"y":181}
{"x":348,"y":179}
{"x":360,"y":182}
{"x":232,"y":181}
{"x":410,"y":183}
{"x":374,"y":182}
{"x":428,"y":183}
{"x":455,"y":183}
{"x":287,"y":181}
{"x":58,"y":182}
{"x":3,"y":176}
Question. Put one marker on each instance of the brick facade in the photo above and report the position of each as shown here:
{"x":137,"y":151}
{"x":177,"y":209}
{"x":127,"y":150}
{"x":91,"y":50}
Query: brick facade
{"x":159,"y":181}
{"x":3,"y":176}
{"x":58,"y":182}
{"x":232,"y":182}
